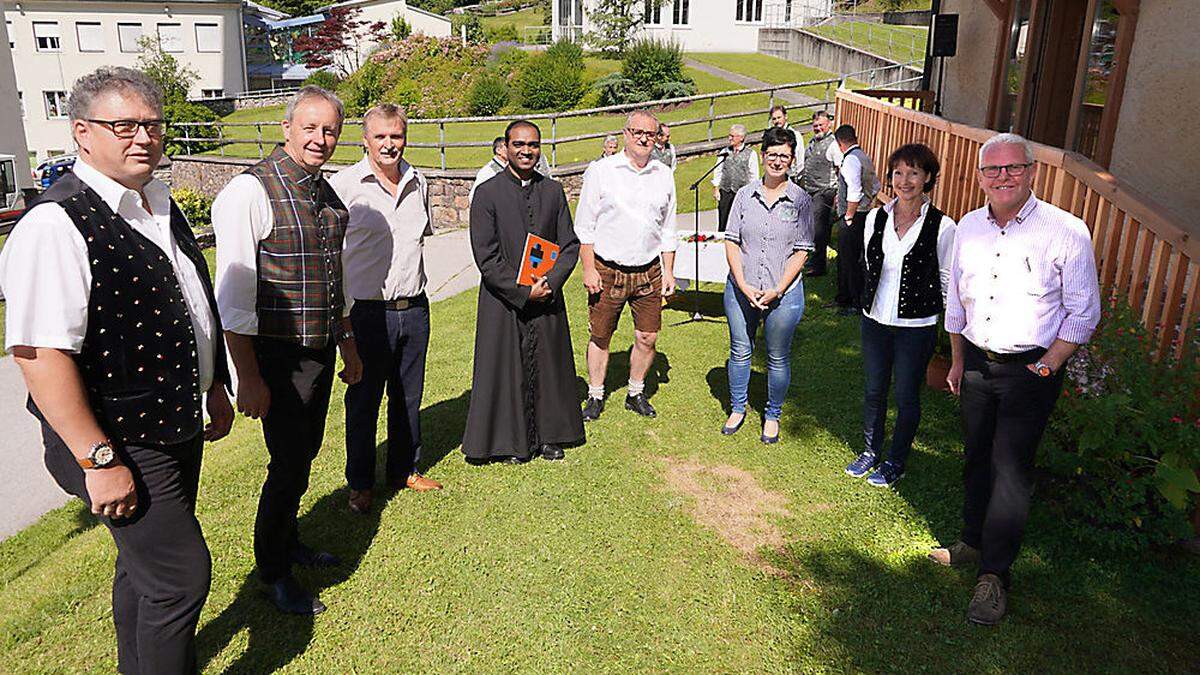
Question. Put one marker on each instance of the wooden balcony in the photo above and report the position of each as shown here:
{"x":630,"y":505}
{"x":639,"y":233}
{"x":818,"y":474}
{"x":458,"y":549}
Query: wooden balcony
{"x":1143,"y":252}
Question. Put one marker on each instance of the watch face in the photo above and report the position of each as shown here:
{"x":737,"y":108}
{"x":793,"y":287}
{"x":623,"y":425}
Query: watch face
{"x":103,"y":455}
{"x":1044,"y":370}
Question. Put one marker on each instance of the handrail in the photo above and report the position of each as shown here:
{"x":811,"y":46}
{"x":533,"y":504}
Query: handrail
{"x":1144,"y":252}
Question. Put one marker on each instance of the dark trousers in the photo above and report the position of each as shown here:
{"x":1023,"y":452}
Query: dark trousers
{"x":903,"y":352}
{"x":849,"y":260}
{"x":163,"y":566}
{"x":392,"y":344}
{"x":724,"y":206}
{"x":1004,"y":412}
{"x":300,"y":380}
{"x":823,"y":215}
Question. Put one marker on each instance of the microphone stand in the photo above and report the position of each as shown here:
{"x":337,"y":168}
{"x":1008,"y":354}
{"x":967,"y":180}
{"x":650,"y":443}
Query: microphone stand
{"x":694,"y":187}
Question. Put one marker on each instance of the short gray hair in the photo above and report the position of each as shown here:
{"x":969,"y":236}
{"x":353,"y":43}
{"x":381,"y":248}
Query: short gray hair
{"x":1006,"y":139}
{"x":611,"y":138}
{"x":389,"y":111}
{"x":313,"y":91}
{"x":737,"y":129}
{"x":641,"y":112}
{"x":108,"y":79}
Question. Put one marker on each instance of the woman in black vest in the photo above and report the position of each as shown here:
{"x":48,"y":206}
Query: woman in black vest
{"x":906,"y":266}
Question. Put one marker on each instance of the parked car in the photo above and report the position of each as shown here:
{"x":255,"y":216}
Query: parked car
{"x":12,"y":203}
{"x":52,"y":169}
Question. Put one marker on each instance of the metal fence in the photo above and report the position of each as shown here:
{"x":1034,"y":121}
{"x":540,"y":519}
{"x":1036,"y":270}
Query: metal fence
{"x":202,"y":135}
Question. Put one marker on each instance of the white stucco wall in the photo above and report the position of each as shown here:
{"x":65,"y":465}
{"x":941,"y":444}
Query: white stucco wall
{"x":968,"y":83}
{"x":38,"y":72}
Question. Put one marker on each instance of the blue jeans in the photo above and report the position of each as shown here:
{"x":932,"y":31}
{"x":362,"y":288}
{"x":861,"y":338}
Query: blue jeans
{"x":780,"y":320}
{"x":904,"y":352}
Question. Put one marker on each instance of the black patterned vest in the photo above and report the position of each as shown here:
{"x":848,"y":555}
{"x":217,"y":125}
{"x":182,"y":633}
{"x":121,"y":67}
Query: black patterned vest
{"x":735,"y":172}
{"x":920,"y":275}
{"x":300,"y":263}
{"x":138,"y":360}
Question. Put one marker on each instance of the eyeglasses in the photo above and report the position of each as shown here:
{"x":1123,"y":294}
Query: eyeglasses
{"x":1014,"y":170}
{"x":641,"y":133}
{"x":129,"y":128}
{"x":778,"y":157}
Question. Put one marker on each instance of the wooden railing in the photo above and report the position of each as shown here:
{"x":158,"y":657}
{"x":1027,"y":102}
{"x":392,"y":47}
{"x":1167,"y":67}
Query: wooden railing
{"x":1144,"y":253}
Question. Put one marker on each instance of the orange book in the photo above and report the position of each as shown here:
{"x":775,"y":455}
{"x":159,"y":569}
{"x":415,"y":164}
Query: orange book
{"x":538,"y":259}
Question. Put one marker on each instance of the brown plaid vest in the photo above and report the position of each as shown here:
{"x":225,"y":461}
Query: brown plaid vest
{"x":300,"y":263}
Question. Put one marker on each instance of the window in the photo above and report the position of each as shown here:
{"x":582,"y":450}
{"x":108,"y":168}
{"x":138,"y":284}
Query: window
{"x":46,"y":36}
{"x":21,"y":101}
{"x":749,"y":10}
{"x":56,"y":105}
{"x":652,"y":14}
{"x":681,"y":12}
{"x":212,"y":93}
{"x":12,"y":42}
{"x":129,"y":34}
{"x":170,"y":37}
{"x":91,"y":36}
{"x":208,"y":37}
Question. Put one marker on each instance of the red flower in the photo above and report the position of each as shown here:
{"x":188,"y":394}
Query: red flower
{"x":1177,"y":419}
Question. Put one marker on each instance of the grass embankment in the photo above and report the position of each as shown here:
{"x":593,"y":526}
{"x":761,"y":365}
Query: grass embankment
{"x":530,"y":16}
{"x":903,"y":44}
{"x":774,"y":70}
{"x":626,"y":556}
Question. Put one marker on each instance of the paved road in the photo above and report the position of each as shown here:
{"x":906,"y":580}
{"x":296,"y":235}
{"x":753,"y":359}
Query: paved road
{"x":787,"y":95}
{"x":27,"y":491}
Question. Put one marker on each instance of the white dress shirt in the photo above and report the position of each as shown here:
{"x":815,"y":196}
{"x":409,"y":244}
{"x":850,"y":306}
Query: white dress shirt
{"x":751,"y":162}
{"x":242,"y":217}
{"x":46,"y":277}
{"x":626,"y":213}
{"x":490,"y":169}
{"x":851,"y":170}
{"x":834,"y":154}
{"x":885,"y":308}
{"x":384,"y":251}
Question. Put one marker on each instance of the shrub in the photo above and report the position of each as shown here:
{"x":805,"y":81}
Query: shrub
{"x":177,"y":111}
{"x":323,"y":79}
{"x":401,"y":29}
{"x":471,"y":23}
{"x":489,"y":95}
{"x":656,"y":68}
{"x":505,"y":32}
{"x":550,"y":84}
{"x":363,"y":89}
{"x":441,"y":70}
{"x":615,"y":89}
{"x":566,"y":51}
{"x":1125,"y":438}
{"x":196,"y":206}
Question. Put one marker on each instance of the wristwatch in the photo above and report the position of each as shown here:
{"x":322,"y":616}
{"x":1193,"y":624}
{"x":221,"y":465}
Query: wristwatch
{"x":344,"y":335}
{"x":1043,"y":370}
{"x":100,"y":456}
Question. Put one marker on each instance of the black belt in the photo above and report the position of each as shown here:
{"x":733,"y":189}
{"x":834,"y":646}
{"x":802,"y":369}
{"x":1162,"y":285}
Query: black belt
{"x":399,"y":303}
{"x":1028,"y":356}
{"x":628,"y":269}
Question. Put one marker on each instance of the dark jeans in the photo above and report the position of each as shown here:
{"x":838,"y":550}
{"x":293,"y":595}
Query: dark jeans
{"x":1004,"y":412}
{"x":905,"y":353}
{"x":392,"y":344}
{"x":163,"y":566}
{"x":300,"y":380}
{"x":823,"y":215}
{"x":849,"y":260}
{"x":724,"y":206}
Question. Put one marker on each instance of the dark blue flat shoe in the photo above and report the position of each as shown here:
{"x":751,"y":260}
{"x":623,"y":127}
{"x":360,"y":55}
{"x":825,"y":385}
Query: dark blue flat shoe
{"x":731,"y":430}
{"x":769,"y":440}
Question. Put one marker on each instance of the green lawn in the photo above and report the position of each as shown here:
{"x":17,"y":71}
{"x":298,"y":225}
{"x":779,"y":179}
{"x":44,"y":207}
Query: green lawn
{"x":636,"y":554}
{"x":877,"y":6}
{"x":531,"y":16}
{"x":903,"y":44}
{"x":567,"y":152}
{"x":773,"y":70}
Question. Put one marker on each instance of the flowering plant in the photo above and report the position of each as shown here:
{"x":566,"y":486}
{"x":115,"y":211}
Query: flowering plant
{"x":1126,"y":432}
{"x":692,"y":238}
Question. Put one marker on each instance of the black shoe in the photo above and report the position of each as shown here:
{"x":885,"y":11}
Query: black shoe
{"x":290,"y":597}
{"x":552,"y":452}
{"x":592,"y":409}
{"x":307,"y":557}
{"x":640,"y":405}
{"x":731,"y":430}
{"x":513,"y":460}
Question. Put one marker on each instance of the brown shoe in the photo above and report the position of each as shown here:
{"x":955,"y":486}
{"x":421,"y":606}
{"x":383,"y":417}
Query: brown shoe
{"x":421,"y":484}
{"x":360,"y":501}
{"x":989,"y":602}
{"x":958,"y":553}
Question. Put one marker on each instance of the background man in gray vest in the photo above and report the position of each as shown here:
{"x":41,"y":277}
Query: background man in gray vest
{"x":819,"y":180}
{"x":279,"y":229}
{"x":857,"y":187}
{"x":738,"y":166}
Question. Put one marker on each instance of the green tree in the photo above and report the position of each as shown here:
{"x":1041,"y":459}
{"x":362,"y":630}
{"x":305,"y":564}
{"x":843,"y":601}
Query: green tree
{"x":174,"y":78}
{"x":616,"y":23}
{"x":401,"y":29}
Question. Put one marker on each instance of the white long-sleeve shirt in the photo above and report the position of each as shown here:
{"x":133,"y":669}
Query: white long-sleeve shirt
{"x":626,"y":213}
{"x":885,"y":309}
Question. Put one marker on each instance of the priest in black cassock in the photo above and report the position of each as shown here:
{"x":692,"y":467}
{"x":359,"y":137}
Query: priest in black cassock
{"x":523,"y":394}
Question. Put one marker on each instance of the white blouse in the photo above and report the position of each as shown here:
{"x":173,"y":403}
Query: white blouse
{"x":886,"y":306}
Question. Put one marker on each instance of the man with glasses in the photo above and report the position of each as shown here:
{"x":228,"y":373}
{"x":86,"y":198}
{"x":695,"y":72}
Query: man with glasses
{"x":523,"y":398}
{"x":1023,"y":295}
{"x":280,"y":228}
{"x":626,"y":227}
{"x":113,"y":321}
{"x":819,"y":180}
{"x":737,"y":165}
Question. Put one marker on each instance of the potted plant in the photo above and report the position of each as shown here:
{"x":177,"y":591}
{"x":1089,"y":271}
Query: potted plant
{"x":939,"y":365}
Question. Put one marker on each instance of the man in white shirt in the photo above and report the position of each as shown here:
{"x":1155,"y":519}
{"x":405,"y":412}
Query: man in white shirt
{"x":280,"y":287}
{"x":494,"y":166}
{"x":385,"y":274}
{"x":779,"y":119}
{"x":857,"y":186}
{"x":626,"y":228}
{"x":112,"y":320}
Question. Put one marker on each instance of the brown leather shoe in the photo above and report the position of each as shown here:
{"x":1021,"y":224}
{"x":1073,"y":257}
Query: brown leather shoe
{"x":360,"y":501}
{"x":421,"y":484}
{"x":988,"y":602}
{"x":958,"y":553}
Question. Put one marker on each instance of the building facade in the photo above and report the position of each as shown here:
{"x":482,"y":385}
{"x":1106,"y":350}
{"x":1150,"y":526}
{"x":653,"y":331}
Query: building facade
{"x":384,"y":11}
{"x":12,"y":132}
{"x":1114,"y":80}
{"x":698,"y":25}
{"x":54,"y":42}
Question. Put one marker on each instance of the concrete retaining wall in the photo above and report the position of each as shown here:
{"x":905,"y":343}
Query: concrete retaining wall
{"x":228,"y":104}
{"x":819,"y":52}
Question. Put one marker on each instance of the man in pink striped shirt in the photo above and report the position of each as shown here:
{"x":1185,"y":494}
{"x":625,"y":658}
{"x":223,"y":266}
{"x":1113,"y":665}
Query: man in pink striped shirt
{"x":1023,"y":296}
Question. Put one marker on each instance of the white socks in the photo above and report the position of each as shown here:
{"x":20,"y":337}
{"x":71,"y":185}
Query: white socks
{"x":596,"y":392}
{"x":636,"y":387}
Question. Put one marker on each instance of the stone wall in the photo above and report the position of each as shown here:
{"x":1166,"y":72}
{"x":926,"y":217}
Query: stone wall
{"x":814,"y":50}
{"x":224,"y":106}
